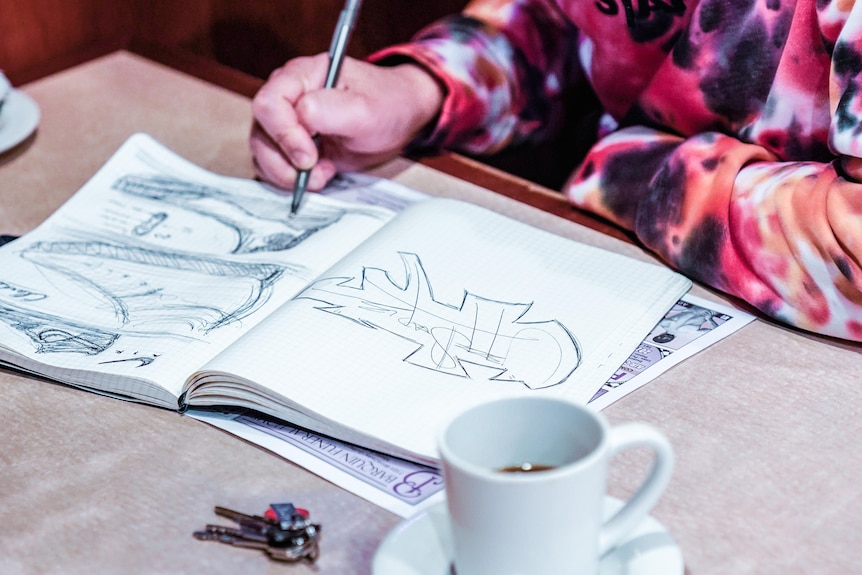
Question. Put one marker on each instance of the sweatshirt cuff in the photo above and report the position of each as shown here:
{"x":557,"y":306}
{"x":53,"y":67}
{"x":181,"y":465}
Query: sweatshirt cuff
{"x":458,"y":107}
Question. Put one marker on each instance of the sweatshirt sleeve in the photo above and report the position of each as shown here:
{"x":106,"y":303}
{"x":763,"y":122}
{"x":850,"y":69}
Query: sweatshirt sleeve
{"x":785,"y":236}
{"x":743,"y":212}
{"x":506,"y":67}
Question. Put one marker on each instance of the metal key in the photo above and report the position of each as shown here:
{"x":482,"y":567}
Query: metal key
{"x":291,"y":538}
{"x":253,"y":523}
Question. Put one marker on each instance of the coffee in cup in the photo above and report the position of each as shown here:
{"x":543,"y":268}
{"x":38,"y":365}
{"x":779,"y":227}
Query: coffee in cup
{"x":526,"y":481}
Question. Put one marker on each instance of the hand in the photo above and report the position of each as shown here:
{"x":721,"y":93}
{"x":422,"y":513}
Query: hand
{"x":371,"y":115}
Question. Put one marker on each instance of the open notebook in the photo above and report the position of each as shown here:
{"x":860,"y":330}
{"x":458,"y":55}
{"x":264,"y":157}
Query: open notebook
{"x":164,"y":283}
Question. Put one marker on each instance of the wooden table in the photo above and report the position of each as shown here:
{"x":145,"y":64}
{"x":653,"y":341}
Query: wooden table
{"x":764,"y":423}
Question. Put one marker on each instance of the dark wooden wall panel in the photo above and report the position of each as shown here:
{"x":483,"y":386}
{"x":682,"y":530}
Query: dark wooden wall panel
{"x":38,"y":35}
{"x":253,"y":36}
{"x":257,"y":37}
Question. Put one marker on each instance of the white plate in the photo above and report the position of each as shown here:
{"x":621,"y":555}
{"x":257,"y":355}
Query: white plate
{"x":19,"y":116}
{"x":421,"y":545}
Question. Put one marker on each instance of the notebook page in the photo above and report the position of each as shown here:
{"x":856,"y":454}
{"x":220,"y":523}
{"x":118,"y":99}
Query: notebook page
{"x":448,"y":306}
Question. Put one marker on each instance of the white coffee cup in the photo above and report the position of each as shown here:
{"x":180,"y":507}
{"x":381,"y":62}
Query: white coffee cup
{"x":547,"y":522}
{"x":5,"y":88}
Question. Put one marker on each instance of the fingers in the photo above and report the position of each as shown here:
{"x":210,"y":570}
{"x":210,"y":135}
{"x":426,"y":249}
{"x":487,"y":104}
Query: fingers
{"x":372,"y":114}
{"x":271,"y":164}
{"x":340,"y":113}
{"x":274,"y":108}
{"x":286,"y":114}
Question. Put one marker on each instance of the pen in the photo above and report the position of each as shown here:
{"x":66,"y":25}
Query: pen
{"x":337,"y":49}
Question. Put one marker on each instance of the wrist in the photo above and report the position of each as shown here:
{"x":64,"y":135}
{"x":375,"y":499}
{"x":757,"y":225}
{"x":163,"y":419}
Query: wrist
{"x":426,"y":95}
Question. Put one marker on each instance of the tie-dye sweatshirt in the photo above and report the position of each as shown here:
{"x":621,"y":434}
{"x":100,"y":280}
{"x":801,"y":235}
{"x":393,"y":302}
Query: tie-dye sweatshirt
{"x":732,"y":137}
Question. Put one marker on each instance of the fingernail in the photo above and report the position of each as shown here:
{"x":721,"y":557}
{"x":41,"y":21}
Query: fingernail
{"x":302,"y":160}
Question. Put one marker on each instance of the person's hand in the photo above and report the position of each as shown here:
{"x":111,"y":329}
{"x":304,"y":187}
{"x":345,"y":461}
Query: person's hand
{"x":368,"y":118}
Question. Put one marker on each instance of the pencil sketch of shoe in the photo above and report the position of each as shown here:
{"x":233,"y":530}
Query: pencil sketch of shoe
{"x":260,"y":225}
{"x":53,"y":334}
{"x":479,"y":338}
{"x":145,"y":290}
{"x":109,"y":285}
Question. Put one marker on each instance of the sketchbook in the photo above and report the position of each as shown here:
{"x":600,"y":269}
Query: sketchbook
{"x":164,"y":283}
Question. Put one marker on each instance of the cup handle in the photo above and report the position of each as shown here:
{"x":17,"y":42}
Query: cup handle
{"x":647,"y":495}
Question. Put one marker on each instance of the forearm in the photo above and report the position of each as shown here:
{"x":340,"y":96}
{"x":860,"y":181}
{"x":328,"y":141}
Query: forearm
{"x":786,"y":237}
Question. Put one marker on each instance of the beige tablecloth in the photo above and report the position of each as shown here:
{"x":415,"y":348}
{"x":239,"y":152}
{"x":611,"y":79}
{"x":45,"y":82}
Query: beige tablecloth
{"x":764,"y":423}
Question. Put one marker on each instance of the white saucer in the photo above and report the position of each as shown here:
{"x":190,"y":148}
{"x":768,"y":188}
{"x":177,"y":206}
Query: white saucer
{"x":19,"y":116}
{"x":421,"y":545}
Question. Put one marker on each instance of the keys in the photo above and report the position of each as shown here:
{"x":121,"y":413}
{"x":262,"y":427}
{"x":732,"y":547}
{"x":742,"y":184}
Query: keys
{"x":284,"y":532}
